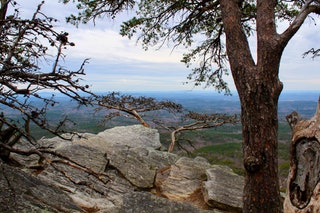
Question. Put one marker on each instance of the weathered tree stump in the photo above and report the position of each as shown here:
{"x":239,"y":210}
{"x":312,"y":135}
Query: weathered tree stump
{"x":303,"y":188}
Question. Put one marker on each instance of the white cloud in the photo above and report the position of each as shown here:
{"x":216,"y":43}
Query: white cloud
{"x":108,"y":46}
{"x":297,"y":72}
{"x":118,"y":63}
{"x":136,"y":83}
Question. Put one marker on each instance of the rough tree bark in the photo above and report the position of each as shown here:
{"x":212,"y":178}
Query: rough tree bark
{"x":303,"y":191}
{"x":259,"y":88}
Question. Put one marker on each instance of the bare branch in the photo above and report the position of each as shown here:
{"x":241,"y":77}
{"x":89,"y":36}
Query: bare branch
{"x":310,"y":6}
{"x":25,"y":43}
{"x":201,"y":121}
{"x":134,"y":106}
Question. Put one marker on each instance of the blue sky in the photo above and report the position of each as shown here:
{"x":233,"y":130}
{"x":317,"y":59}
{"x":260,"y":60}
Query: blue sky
{"x":119,"y":64}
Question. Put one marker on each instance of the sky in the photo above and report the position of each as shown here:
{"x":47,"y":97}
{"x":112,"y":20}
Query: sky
{"x":119,"y":64}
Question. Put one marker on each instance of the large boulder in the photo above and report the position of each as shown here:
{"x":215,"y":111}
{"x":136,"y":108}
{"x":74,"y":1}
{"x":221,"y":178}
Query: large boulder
{"x":182,"y":181}
{"x":217,"y":190}
{"x":202,"y":184}
{"x":115,"y":162}
{"x":132,"y":136}
{"x":139,"y":165}
{"x":134,"y":151}
{"x":146,"y":203}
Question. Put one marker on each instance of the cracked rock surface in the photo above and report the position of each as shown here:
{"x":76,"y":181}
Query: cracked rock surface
{"x":124,"y":170}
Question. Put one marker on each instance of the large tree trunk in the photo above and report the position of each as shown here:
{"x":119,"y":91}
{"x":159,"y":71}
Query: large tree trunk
{"x":259,"y":127}
{"x":259,"y":88}
{"x":303,"y":190}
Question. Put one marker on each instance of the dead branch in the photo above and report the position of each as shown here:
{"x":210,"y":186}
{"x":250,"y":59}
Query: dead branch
{"x":201,"y":121}
{"x":25,"y":43}
{"x":52,"y":158}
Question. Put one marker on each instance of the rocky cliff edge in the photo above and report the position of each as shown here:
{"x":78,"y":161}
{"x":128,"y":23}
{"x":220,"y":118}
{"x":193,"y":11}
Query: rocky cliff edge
{"x":119,"y":170}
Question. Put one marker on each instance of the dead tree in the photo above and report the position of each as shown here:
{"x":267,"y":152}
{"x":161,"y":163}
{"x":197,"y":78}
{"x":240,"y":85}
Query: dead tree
{"x":303,"y":191}
{"x":197,"y":121}
{"x":26,"y":43}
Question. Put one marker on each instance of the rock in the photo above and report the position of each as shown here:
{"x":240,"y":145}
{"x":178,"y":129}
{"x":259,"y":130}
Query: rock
{"x":133,"y":150}
{"x":131,"y":136}
{"x":217,"y":190}
{"x":202,"y":184}
{"x":127,"y":164}
{"x":139,"y":165}
{"x":145,"y":202}
{"x":101,"y":192}
{"x":108,"y":172}
{"x":22,"y":192}
{"x":183,"y":179}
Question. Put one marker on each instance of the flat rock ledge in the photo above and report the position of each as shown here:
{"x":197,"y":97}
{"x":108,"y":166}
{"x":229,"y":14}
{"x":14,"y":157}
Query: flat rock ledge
{"x":125,"y":172}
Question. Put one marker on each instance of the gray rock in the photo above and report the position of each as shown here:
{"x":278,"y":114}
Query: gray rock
{"x":223,"y":189}
{"x":120,"y":167}
{"x":131,"y":136}
{"x":22,"y":192}
{"x":185,"y":178}
{"x":124,"y":163}
{"x":101,"y":192}
{"x":133,"y":150}
{"x":145,"y":203}
{"x":139,"y":165}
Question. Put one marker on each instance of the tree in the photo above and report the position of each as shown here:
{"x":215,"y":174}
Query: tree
{"x":25,"y":44}
{"x":134,"y":107}
{"x":218,"y":32}
{"x":128,"y":105}
{"x":197,"y":121}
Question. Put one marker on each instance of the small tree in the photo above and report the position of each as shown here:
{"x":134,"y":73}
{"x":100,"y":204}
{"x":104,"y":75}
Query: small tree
{"x":198,"y":121}
{"x":25,"y":44}
{"x":134,"y":107}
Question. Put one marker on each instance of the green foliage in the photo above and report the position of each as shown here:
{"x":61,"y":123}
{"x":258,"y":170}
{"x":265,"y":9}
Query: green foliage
{"x":284,"y":168}
{"x":284,"y":150}
{"x":92,"y":9}
{"x":230,"y":154}
{"x":226,"y":149}
{"x":217,"y":135}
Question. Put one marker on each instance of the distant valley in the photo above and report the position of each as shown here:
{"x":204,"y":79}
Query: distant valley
{"x":221,"y":145}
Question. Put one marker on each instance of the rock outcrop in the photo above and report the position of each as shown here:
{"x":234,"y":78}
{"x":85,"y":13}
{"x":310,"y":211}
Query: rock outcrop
{"x":217,"y":190}
{"x":182,"y":181}
{"x":22,"y":192}
{"x":119,"y":170}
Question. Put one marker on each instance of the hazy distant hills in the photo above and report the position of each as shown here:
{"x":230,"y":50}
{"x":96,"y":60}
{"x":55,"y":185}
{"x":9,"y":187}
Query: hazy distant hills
{"x":304,"y":102}
{"x":200,"y":101}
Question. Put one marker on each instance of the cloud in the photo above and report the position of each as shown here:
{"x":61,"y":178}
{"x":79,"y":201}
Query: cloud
{"x":136,"y":76}
{"x":117,"y":63}
{"x":108,"y":46}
